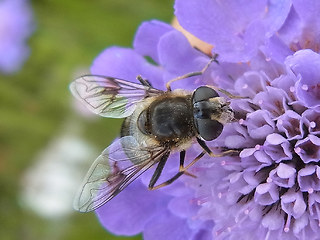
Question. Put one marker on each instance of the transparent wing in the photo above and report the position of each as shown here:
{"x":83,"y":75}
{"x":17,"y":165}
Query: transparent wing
{"x":110,"y":97}
{"x":117,"y":166}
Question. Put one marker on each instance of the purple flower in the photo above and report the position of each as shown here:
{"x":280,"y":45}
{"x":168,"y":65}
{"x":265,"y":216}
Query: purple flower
{"x":16,"y":25}
{"x":269,"y":53}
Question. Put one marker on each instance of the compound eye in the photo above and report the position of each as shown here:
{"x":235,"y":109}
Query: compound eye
{"x":203,"y":93}
{"x":208,"y":129}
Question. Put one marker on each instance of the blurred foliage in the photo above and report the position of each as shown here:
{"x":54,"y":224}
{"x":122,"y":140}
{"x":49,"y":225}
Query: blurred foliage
{"x":35,"y":102}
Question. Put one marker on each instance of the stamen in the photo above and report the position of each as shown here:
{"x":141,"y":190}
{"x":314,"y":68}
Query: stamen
{"x":222,"y":194}
{"x":222,"y":230}
{"x":297,"y":150}
{"x":304,"y":87}
{"x":238,"y":220}
{"x":200,"y":200}
{"x":292,"y":89}
{"x":310,"y":190}
{"x":257,"y":147}
{"x":269,"y":180}
{"x":241,"y":121}
{"x":267,"y":235}
{"x":287,"y":226}
{"x":224,"y":163}
{"x":246,"y":212}
{"x":313,"y":124}
{"x":219,"y":232}
{"x":260,"y":102}
{"x":245,"y":86}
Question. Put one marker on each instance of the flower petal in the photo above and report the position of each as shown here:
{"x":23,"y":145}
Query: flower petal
{"x":131,"y":210}
{"x":148,"y":36}
{"x":165,"y":226}
{"x":233,"y":27}
{"x":126,"y":64}
{"x":174,"y":49}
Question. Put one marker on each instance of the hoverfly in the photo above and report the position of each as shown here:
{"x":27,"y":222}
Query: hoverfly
{"x":156,"y":124}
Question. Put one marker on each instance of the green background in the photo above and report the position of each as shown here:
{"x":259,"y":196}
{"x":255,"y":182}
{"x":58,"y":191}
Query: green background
{"x":35,"y":103}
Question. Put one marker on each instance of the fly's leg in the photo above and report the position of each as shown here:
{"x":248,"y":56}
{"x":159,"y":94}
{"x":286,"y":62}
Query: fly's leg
{"x":211,"y":154}
{"x":192,"y":74}
{"x":158,"y":171}
{"x":144,"y":82}
{"x":182,"y":170}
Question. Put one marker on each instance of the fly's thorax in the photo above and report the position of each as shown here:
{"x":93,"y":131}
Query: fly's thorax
{"x":165,"y":120}
{"x":169,"y":120}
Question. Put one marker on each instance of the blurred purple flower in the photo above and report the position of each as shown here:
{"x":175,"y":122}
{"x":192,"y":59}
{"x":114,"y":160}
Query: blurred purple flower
{"x":16,"y":25}
{"x":268,"y":52}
